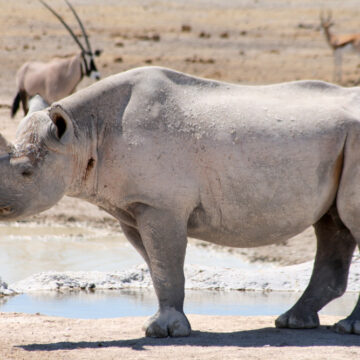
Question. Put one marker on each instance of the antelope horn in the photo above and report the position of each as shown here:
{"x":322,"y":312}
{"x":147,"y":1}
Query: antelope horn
{"x":67,"y":27}
{"x":81,"y":26}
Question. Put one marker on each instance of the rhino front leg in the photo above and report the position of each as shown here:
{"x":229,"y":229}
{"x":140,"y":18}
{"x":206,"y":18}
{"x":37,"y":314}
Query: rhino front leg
{"x":135,"y":239}
{"x":335,"y":246}
{"x":164,"y":239}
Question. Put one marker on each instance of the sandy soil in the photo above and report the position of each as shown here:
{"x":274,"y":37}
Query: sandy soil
{"x":243,"y":41}
{"x":214,"y":337}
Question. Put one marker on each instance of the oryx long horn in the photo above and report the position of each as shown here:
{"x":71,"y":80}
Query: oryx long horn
{"x":64,"y":23}
{"x":81,"y":26}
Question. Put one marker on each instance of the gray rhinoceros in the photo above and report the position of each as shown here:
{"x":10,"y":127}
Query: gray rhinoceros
{"x":170,"y":155}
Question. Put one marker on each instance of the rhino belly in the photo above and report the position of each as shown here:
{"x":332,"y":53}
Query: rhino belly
{"x":258,"y":200}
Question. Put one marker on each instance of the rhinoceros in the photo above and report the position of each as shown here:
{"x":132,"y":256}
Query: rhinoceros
{"x":171,"y":155}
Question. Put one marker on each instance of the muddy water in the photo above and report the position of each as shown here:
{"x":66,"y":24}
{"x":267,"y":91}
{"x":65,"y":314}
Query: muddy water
{"x":26,"y":249}
{"x":108,"y":304}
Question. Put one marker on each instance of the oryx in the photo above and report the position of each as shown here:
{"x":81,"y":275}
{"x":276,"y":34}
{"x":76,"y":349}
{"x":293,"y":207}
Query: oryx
{"x":59,"y":77}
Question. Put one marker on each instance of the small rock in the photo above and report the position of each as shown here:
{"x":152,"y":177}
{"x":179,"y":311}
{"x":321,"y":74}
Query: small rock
{"x":185,"y":28}
{"x":118,"y":59}
{"x":204,"y":35}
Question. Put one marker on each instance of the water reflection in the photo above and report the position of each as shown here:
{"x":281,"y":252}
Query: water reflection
{"x":109,"y":304}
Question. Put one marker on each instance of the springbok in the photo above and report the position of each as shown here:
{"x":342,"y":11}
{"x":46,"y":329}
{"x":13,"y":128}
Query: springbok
{"x":58,"y":78}
{"x":339,"y":43}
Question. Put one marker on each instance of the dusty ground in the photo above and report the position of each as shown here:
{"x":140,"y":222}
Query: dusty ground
{"x":242,"y":41}
{"x":214,"y":337}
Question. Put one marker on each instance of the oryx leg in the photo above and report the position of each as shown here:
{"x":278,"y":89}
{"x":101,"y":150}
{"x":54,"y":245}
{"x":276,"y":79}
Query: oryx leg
{"x":161,"y":238}
{"x":335,"y":246}
{"x":349,"y":211}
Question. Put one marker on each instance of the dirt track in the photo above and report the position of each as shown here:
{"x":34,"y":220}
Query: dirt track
{"x":242,"y":41}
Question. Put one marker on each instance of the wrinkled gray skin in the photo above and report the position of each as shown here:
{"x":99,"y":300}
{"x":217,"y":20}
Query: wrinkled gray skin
{"x":171,"y":156}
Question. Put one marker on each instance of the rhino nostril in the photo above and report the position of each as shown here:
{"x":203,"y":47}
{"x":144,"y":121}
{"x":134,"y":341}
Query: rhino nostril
{"x":5,"y":210}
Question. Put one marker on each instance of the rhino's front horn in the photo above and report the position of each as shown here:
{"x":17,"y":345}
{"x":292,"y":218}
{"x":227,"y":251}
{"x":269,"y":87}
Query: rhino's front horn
{"x":37,"y":103}
{"x":5,"y":146}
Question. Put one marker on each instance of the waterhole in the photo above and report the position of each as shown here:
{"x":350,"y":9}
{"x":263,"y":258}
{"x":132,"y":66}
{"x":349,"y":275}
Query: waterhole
{"x":28,"y":248}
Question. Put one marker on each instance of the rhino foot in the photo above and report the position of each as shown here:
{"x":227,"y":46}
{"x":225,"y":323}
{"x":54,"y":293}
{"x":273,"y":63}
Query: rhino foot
{"x":347,"y":326}
{"x":295,"y":321}
{"x":169,"y":322}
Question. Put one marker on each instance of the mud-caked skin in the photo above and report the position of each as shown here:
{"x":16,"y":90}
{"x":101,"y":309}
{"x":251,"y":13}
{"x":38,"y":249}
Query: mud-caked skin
{"x":170,"y":156}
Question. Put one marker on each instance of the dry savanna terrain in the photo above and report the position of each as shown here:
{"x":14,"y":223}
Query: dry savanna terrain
{"x":241,"y":41}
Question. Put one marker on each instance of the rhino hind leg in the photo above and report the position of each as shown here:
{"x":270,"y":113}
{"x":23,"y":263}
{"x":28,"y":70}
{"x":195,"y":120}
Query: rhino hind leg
{"x":161,"y":239}
{"x":348,"y":205}
{"x":350,"y":325}
{"x":335,"y":246}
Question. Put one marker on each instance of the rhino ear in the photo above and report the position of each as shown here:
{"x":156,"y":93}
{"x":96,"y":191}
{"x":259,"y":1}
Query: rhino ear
{"x":63,"y":129}
{"x":5,"y":146}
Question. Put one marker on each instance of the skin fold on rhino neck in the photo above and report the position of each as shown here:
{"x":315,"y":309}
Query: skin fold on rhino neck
{"x":84,"y":152}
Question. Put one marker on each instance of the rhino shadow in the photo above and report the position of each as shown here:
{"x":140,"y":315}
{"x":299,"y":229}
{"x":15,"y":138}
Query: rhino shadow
{"x":269,"y":337}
